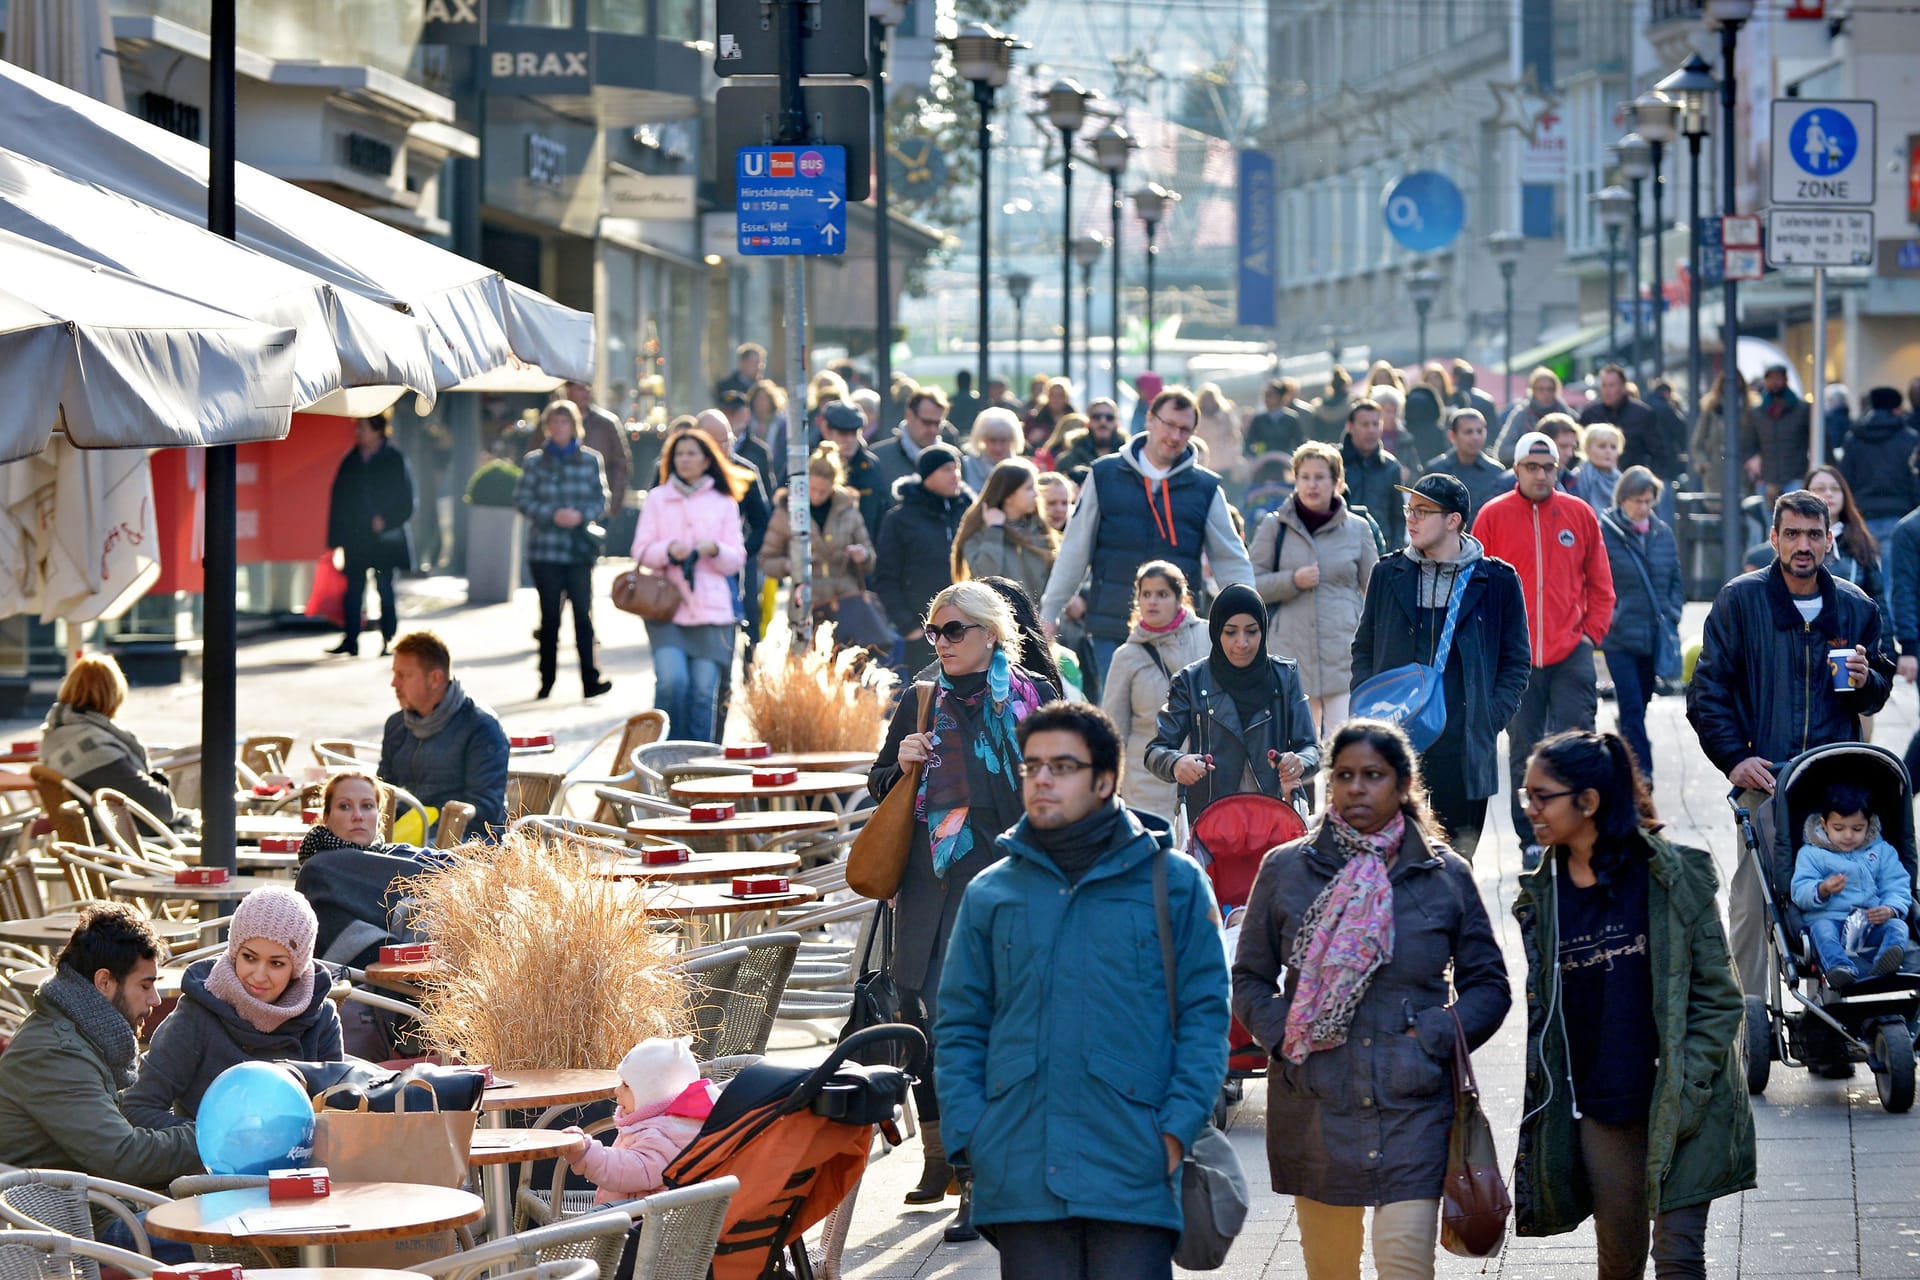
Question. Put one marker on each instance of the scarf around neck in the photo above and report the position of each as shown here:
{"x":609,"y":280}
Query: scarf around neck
{"x":1075,"y":847}
{"x":564,"y":451}
{"x":1343,"y":940}
{"x":224,"y":982}
{"x":426,"y":726}
{"x":1005,"y":695}
{"x":95,"y":1018}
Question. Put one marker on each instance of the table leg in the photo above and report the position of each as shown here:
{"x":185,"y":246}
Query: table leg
{"x":493,"y":1185}
{"x":316,"y":1255}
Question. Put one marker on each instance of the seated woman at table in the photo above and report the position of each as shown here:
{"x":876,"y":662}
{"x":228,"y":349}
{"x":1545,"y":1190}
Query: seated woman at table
{"x":658,"y":1110}
{"x":264,"y":1000}
{"x":348,"y":872}
{"x":83,"y":743}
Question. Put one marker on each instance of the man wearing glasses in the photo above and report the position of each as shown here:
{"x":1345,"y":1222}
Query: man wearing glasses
{"x":1150,"y":501}
{"x":1553,"y":539}
{"x":925,"y":424}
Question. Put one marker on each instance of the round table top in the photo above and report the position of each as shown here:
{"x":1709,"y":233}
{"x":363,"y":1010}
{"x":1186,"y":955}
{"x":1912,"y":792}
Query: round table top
{"x":739,"y":786}
{"x":775,"y":823}
{"x":376,"y":1210}
{"x":526,"y":1090}
{"x":258,"y":826}
{"x":701,"y":866}
{"x":405,"y":972}
{"x":11,"y":781}
{"x":167,"y":982}
{"x":47,"y":931}
{"x":330,"y":1273}
{"x":511,"y":1146}
{"x":162,"y":886}
{"x":685,"y":900}
{"x":829,"y":761}
{"x":11,"y":756}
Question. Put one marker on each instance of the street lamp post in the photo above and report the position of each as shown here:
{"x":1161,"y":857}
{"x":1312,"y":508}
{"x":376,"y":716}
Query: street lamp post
{"x":1692,"y":86}
{"x":1066,"y":104}
{"x":984,"y":57}
{"x":1423,"y":286}
{"x":882,"y":17}
{"x":1636,"y":165}
{"x":1614,"y":207}
{"x":1086,"y":252}
{"x":1654,"y":115}
{"x":1112,"y":149}
{"x":1152,"y":202}
{"x":1019,"y":285}
{"x":1506,"y":248}
{"x":1730,"y":15}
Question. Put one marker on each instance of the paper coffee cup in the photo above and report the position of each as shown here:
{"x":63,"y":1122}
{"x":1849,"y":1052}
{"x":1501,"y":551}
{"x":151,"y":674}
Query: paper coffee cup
{"x":1837,"y":664}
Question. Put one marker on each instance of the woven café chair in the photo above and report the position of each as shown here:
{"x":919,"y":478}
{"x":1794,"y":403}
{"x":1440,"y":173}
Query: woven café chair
{"x":563,"y":1269}
{"x":346,"y":751}
{"x":56,"y":793}
{"x":61,"y":1201}
{"x":748,"y":1007}
{"x":266,"y":753}
{"x":674,"y":1231}
{"x":649,"y":761}
{"x":636,"y":731}
{"x":130,"y":827}
{"x":455,"y":817}
{"x":531,"y":791}
{"x":593,"y":1240}
{"x":49,"y":1255}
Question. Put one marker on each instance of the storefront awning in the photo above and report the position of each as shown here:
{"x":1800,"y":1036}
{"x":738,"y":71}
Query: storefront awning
{"x":1547,"y":352}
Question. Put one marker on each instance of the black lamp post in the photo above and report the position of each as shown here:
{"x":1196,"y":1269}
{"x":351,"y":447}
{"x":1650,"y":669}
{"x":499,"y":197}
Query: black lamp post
{"x":1019,"y":285}
{"x":984,"y":57}
{"x":1152,"y":202}
{"x":1654,"y":115}
{"x":1730,"y":16}
{"x":882,"y":17}
{"x":1614,"y":207}
{"x":1423,"y":286}
{"x":1692,"y":86}
{"x":1506,"y":248}
{"x":1086,"y":252}
{"x":1635,"y":156}
{"x":1066,"y":104}
{"x":1112,"y":150}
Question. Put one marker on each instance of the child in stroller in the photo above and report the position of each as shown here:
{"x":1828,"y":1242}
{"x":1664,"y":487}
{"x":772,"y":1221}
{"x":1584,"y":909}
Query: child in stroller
{"x":1846,"y":867}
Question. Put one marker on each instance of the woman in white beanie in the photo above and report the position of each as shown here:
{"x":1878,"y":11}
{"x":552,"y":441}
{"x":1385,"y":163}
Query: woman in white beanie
{"x":658,"y":1109}
{"x":266,"y":999}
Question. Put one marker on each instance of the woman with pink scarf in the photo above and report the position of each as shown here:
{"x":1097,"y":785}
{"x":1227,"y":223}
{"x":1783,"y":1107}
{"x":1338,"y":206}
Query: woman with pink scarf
{"x":1368,"y":914}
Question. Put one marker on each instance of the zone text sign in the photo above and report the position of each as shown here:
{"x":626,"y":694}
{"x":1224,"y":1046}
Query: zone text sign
{"x":1823,"y":153}
{"x":1820,"y":238}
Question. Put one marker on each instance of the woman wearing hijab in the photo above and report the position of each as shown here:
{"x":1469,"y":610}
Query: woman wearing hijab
{"x":1368,"y":916}
{"x":1236,"y":720}
{"x":969,"y":794}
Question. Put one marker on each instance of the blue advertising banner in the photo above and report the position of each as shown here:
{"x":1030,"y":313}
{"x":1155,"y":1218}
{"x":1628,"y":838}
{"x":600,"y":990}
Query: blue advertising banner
{"x":1257,"y":275}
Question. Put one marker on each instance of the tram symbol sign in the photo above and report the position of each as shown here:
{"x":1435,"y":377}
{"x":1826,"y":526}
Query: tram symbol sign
{"x":1822,"y":153}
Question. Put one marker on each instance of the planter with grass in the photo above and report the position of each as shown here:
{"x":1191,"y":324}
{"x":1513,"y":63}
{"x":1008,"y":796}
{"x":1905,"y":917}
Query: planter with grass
{"x":493,"y":534}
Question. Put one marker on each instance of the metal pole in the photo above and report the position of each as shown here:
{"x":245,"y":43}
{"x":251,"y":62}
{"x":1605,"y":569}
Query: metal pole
{"x":219,"y":635}
{"x":1420,"y":310}
{"x":882,"y":227}
{"x":1659,"y":335}
{"x":1633,"y":285}
{"x":1019,"y":343}
{"x":1153,"y":252}
{"x":1817,"y":410}
{"x":1694,"y":373}
{"x":1086,"y":331}
{"x":793,"y":129}
{"x":1613,"y":293}
{"x":983,"y":100}
{"x":1506,"y":284}
{"x":1114,"y":315}
{"x":1066,"y":256}
{"x":1731,"y":403}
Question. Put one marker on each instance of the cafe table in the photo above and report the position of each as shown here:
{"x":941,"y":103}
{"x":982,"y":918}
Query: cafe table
{"x":11,"y":781}
{"x":54,"y":930}
{"x":517,"y":1090}
{"x":166,"y":982}
{"x":251,"y":828}
{"x":818,"y":761}
{"x":354,"y":1213}
{"x":731,"y":831}
{"x":496,"y":1148}
{"x":698,"y":867}
{"x":328,"y":1273}
{"x":162,"y":888}
{"x":20,"y":753}
{"x":740,"y":786}
{"x":404,"y":975}
{"x":714,"y":907}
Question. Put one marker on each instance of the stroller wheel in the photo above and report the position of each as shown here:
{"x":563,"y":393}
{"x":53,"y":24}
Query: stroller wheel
{"x":1893,"y":1065}
{"x":1759,"y":1045}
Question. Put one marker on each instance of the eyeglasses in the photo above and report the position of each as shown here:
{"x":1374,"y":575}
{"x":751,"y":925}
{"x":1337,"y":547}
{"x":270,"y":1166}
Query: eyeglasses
{"x":1540,"y":468}
{"x":952,"y":633}
{"x":1102,"y":417}
{"x":929,"y":422}
{"x":1058,"y":767}
{"x":1534,"y":801}
{"x":1180,"y":428}
{"x":1421,"y":513}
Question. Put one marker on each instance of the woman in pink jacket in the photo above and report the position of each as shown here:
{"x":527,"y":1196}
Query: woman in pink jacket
{"x":690,"y":529}
{"x":659,"y":1107}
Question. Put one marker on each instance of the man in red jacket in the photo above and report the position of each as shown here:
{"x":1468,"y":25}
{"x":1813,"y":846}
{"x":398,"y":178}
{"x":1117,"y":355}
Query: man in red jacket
{"x":1553,"y":539}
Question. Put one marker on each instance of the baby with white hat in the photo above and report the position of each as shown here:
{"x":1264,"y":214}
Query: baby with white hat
{"x":658,"y":1109}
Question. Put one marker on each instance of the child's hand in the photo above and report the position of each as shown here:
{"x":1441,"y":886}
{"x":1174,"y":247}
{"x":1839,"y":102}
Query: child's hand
{"x":1833,"y":884}
{"x":1879,"y":915}
{"x":579,"y":1148}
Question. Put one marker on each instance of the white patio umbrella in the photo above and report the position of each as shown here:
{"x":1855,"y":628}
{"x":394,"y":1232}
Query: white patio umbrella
{"x":70,"y":41}
{"x":77,"y":532}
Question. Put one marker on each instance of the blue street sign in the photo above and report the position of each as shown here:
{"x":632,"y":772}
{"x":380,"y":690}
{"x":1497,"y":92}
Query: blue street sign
{"x":1713,"y":257}
{"x":1823,"y":142}
{"x":1254,"y":294}
{"x":792,"y":200}
{"x":1424,"y":211}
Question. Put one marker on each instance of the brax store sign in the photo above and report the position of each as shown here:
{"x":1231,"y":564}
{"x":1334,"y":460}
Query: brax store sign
{"x":527,"y":60}
{"x":454,"y":22}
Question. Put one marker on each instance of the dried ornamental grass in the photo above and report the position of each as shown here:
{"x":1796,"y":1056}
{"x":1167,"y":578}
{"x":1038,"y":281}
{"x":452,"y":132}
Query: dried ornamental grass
{"x":816,"y":699}
{"x":546,"y":967}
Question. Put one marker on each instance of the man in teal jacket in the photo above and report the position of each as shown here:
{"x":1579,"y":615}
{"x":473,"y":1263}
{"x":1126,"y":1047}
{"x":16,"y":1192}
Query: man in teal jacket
{"x":1062,"y":1085}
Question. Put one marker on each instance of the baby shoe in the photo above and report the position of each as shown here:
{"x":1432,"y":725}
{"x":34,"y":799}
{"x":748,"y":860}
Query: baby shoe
{"x":1888,"y":960}
{"x":1842,"y":976}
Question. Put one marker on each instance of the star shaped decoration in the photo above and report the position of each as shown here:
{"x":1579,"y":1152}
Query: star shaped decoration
{"x":1519,"y":105}
{"x":1356,"y":117}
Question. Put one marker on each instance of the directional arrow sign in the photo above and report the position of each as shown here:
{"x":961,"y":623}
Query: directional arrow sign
{"x":792,"y":200}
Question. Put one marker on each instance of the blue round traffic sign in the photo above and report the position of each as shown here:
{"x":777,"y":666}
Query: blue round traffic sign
{"x":1823,"y":141}
{"x":1424,"y":211}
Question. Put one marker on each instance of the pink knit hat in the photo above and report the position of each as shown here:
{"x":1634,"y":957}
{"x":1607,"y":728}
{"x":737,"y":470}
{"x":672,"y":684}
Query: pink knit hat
{"x":282,"y":917}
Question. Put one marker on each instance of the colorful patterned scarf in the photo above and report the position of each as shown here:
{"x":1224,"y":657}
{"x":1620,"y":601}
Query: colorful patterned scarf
{"x":944,"y":794}
{"x":1345,"y":938}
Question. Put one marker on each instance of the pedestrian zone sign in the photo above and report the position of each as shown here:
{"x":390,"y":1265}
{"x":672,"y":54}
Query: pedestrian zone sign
{"x":1822,"y":153}
{"x":792,"y":200}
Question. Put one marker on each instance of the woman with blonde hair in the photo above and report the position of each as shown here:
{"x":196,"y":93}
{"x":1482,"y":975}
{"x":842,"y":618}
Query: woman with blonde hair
{"x":83,"y":743}
{"x":1165,"y":635}
{"x":995,"y":438}
{"x":1056,"y":499}
{"x":1219,"y":428}
{"x":1382,"y":374}
{"x":1595,"y":479}
{"x":842,"y":544}
{"x":1047,"y":455}
{"x":1002,"y":534}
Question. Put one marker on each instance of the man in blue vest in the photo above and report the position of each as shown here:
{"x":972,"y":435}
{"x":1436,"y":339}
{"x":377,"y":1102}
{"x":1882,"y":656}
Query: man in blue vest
{"x":1150,"y":501}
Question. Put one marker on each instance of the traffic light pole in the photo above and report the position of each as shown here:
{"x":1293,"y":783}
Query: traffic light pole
{"x":793,"y":129}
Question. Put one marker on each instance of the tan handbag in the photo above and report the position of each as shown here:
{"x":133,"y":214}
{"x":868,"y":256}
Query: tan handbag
{"x":1473,"y":1200}
{"x":428,"y":1147}
{"x":878,"y":858}
{"x":653,"y":596}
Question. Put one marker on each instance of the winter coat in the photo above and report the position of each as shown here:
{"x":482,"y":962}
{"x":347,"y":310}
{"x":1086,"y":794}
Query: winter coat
{"x":550,"y":482}
{"x":1593,"y":486}
{"x":913,"y":559}
{"x":1226,"y":441}
{"x":1556,"y":548}
{"x":834,"y":575}
{"x":1083,"y":451}
{"x":1484,"y":477}
{"x":1018,"y":549}
{"x":92,"y":750}
{"x":648,"y":1141}
{"x":1780,"y":431}
{"x":1314,"y":625}
{"x":204,"y":1035}
{"x":1366,"y":1122}
{"x":381,"y":485}
{"x":60,"y":1109}
{"x":1762,"y":686}
{"x":1700,"y":1129}
{"x":1490,"y":652}
{"x":1056,"y":1068}
{"x":1275,"y":431}
{"x":1522,"y":418}
{"x":1903,"y":583}
{"x":1135,"y":690}
{"x":894,"y":464}
{"x":606,"y":435}
{"x":1648,"y":442}
{"x":1636,"y":615}
{"x":708,"y":514}
{"x":1372,"y":484}
{"x":1879,"y":463}
{"x":354,"y":894}
{"x":1876,"y":877}
{"x":864,"y":478}
{"x":1201,"y":719}
{"x":467,"y":760}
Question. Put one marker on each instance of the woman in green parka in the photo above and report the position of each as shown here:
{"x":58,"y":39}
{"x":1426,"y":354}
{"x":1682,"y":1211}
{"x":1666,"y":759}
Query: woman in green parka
{"x":1636,"y":1103}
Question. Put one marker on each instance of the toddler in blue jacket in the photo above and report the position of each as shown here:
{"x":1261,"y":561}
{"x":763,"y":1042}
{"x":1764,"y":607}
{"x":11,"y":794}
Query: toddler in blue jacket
{"x":1845,"y":866}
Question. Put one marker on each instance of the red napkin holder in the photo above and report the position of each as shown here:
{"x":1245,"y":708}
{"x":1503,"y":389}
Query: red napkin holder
{"x":775,"y":777}
{"x":204,"y":1270}
{"x":664,"y":855}
{"x":298,"y":1184}
{"x":310,"y":816}
{"x":26,"y":747}
{"x":269,"y":789}
{"x":525,"y":740}
{"x":719,"y":811}
{"x":279,"y":844}
{"x":202,"y":875}
{"x":749,"y":751}
{"x":406,"y":953}
{"x":753,"y":886}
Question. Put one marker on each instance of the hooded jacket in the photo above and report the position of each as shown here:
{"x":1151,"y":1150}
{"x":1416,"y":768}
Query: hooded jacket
{"x":647,"y":1141}
{"x":1876,"y":877}
{"x":913,"y":557}
{"x":1135,"y":690}
{"x":1555,"y":546}
{"x":1200,"y":718}
{"x":204,"y":1035}
{"x":1314,"y":625}
{"x":1878,"y":459}
{"x":708,"y":514}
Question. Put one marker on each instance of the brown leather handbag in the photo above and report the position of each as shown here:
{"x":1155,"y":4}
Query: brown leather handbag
{"x":878,"y":859}
{"x":653,"y":596}
{"x":1473,"y":1200}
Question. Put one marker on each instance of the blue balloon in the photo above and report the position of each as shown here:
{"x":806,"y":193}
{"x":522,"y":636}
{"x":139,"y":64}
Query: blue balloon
{"x":254,"y":1118}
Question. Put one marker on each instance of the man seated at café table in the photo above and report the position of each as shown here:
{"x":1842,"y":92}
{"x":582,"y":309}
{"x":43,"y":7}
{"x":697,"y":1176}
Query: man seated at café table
{"x":442,"y":745}
{"x":61,"y":1078}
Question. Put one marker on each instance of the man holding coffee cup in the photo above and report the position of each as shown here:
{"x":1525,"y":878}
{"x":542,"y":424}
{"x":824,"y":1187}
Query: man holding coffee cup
{"x":1791,"y":659}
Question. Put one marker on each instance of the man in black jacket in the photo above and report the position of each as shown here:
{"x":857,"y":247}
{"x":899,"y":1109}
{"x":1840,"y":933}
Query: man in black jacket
{"x":1486,"y":669}
{"x":1648,"y":444}
{"x":1762,"y":692}
{"x":1277,"y":428}
{"x":913,"y":554}
{"x":1879,"y":454}
{"x":1373,"y":474}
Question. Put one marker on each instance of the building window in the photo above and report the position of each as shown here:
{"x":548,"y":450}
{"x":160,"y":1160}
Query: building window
{"x":535,"y":13}
{"x":622,"y":17}
{"x":682,"y":19}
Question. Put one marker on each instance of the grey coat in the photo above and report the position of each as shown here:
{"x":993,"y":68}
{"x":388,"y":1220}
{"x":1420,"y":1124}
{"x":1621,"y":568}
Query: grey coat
{"x":1365,"y":1123}
{"x":1314,"y":626}
{"x":1135,"y":690}
{"x":1017,"y":549}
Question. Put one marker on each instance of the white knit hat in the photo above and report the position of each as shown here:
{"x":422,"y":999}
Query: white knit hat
{"x":659,"y":1070}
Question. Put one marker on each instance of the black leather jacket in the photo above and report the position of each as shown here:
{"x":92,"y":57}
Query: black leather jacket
{"x":1199,"y":718}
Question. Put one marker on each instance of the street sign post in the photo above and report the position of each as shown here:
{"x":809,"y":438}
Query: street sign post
{"x":833,"y":38}
{"x":792,"y":199}
{"x":1820,"y":238}
{"x":1823,"y":153}
{"x":746,"y":115}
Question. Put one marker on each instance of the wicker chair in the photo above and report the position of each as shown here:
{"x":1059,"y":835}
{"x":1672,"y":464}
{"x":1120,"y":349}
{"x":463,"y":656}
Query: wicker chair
{"x":455,"y":816}
{"x":649,"y":761}
{"x":130,"y":827}
{"x":61,"y":1201}
{"x":345,"y":751}
{"x":711,"y":979}
{"x":749,"y":1005}
{"x":531,"y":792}
{"x":266,"y":753}
{"x":636,"y":731}
{"x":595,"y":1239}
{"x":49,"y":1255}
{"x":675,"y":1230}
{"x":56,"y":793}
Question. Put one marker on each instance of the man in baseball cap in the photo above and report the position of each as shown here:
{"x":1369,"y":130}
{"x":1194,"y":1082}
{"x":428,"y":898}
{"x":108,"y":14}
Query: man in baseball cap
{"x":844,"y":426}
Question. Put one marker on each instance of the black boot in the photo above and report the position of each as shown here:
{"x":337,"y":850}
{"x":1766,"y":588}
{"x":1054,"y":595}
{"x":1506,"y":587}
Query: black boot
{"x":596,"y":686}
{"x":936,"y":1176}
{"x":350,"y":648}
{"x":961,"y":1229}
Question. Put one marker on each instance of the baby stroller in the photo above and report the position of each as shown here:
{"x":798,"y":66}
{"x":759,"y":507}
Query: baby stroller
{"x":1230,"y":839}
{"x":798,"y":1141}
{"x":1871,"y":1020}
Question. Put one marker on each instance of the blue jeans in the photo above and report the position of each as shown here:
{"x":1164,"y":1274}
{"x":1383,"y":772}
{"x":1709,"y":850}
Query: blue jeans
{"x":1632,"y":689}
{"x":117,"y":1235}
{"x":685,"y":688}
{"x":1825,"y":932}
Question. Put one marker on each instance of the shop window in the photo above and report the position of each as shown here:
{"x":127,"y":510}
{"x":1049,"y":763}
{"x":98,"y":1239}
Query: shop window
{"x":682,"y":19}
{"x":535,"y":13}
{"x":623,"y":17}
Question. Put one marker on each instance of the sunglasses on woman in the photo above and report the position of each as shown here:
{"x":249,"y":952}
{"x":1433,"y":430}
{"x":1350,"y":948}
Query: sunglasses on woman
{"x":952,"y":633}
